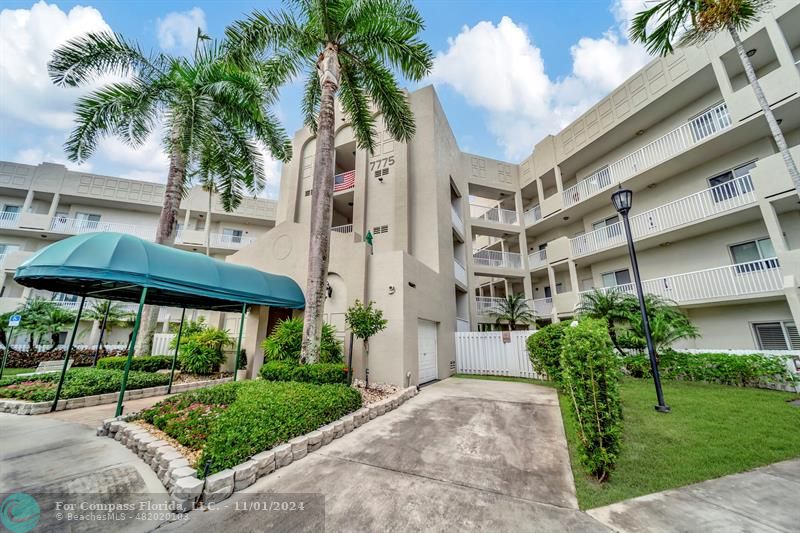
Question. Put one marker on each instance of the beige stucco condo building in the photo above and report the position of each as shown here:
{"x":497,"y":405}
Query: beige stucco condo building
{"x":715,"y":217}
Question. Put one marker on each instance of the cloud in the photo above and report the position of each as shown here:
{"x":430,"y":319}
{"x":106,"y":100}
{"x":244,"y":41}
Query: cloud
{"x":177,"y":32}
{"x":499,"y":68}
{"x":27,"y":39}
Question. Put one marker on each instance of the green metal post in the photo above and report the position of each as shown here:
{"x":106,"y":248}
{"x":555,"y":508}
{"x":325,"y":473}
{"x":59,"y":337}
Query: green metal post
{"x":66,"y":354}
{"x":175,"y":357}
{"x":239,"y":343}
{"x":5,"y":355}
{"x":130,"y":352}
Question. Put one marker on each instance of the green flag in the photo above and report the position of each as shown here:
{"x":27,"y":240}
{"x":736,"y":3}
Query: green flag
{"x":368,"y":238}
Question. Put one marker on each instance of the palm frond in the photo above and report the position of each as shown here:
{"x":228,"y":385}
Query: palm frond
{"x":391,"y":101}
{"x":356,"y":105}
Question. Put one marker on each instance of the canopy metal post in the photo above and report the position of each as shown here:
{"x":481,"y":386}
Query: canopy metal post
{"x":66,"y":354}
{"x":239,"y":343}
{"x":175,"y":356}
{"x":102,"y":332}
{"x":130,"y":351}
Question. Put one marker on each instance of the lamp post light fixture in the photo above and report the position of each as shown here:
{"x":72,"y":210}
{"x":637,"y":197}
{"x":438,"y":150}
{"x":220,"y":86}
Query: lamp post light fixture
{"x":623,"y":200}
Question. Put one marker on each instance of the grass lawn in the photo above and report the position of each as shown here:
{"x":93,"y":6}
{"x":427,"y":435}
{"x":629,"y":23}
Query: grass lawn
{"x":14,"y":371}
{"x":712,"y":431}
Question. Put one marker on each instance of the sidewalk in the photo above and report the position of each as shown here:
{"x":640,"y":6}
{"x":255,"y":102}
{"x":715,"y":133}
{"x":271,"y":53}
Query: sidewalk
{"x":765,"y":499}
{"x":94,"y":416}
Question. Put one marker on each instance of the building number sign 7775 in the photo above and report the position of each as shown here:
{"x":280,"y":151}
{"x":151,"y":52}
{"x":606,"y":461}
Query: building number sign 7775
{"x":380,"y":164}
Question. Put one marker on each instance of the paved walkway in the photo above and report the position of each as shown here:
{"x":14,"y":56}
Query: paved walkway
{"x":762,"y":500}
{"x":93,"y":416}
{"x":462,"y":455}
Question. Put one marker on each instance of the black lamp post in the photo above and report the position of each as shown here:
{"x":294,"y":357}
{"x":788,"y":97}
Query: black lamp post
{"x":622,"y":200}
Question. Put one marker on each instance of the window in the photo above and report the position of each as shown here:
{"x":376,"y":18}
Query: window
{"x":777,"y":336}
{"x":86,"y":221}
{"x":619,"y":277}
{"x":732,"y":183}
{"x":232,"y":235}
{"x":8,"y":216}
{"x":753,"y":255}
{"x":12,"y":209}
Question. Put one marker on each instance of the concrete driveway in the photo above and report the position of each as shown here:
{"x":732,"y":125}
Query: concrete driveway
{"x":462,"y":455}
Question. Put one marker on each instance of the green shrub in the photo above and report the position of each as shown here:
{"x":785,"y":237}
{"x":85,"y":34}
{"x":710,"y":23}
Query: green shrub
{"x":77,"y":383}
{"x":265,"y":414}
{"x":590,"y":377}
{"x":202,"y":353}
{"x":146,"y":363}
{"x":544,"y":349}
{"x":319,"y":373}
{"x":284,"y":343}
{"x":723,"y":368}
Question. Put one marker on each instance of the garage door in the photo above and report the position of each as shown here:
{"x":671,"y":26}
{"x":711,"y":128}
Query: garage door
{"x":426,"y":330}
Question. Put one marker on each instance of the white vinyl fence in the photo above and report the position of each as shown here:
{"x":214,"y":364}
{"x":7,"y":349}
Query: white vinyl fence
{"x":484,"y":352}
{"x":161,"y":344}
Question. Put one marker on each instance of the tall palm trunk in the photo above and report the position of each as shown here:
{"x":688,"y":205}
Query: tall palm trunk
{"x":165,"y":234}
{"x":208,"y":223}
{"x":780,"y":141}
{"x":321,"y":206}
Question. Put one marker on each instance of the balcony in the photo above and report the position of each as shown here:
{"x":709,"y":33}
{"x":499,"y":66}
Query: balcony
{"x":690,"y":209}
{"x":541,"y":307}
{"x":495,"y":259}
{"x":74,"y":226}
{"x":456,"y":218}
{"x":493,"y":214}
{"x":233,"y":242}
{"x":462,"y":325}
{"x":9,"y":220}
{"x":345,"y":228}
{"x":486,"y":304}
{"x":533,"y":215}
{"x":344,"y":181}
{"x":460,"y":272}
{"x":725,"y":282}
{"x":665,"y":147}
{"x":537,"y":259}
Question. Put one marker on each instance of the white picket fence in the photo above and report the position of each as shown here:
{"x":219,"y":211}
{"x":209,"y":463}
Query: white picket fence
{"x":161,"y":343}
{"x":484,"y":352}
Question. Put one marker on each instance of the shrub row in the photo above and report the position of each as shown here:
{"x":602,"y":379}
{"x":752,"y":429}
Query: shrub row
{"x":147,"y":363}
{"x":234,"y":421}
{"x":80,"y":357}
{"x":77,"y":383}
{"x":319,"y":373}
{"x":724,"y":368}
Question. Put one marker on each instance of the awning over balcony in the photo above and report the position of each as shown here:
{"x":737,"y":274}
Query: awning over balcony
{"x":116,"y":266}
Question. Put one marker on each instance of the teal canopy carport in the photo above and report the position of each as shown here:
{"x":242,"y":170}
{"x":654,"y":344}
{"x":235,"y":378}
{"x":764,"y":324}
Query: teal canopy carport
{"x":116,"y":266}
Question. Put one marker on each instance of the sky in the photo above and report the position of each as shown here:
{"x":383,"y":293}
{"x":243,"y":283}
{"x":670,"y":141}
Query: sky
{"x":507,"y":72}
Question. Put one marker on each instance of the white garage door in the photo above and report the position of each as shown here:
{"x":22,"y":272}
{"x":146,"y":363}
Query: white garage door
{"x":426,"y":330}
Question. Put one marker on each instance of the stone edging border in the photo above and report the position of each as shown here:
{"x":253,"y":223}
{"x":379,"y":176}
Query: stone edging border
{"x":21,"y":407}
{"x":181,"y":481}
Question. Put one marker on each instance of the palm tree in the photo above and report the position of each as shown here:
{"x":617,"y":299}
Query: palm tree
{"x":213,"y":111}
{"x":109,"y":315}
{"x":512,"y":310}
{"x":702,"y":20}
{"x":611,"y":305}
{"x":349,"y":47}
{"x":668,"y":324}
{"x":53,"y":322}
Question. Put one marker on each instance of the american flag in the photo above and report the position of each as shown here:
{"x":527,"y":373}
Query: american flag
{"x":344,"y":181}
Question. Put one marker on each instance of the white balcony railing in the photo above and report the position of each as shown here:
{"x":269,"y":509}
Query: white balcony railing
{"x":495,"y":259}
{"x":2,"y":260}
{"x":729,"y":281}
{"x":75,"y":226}
{"x":493,"y":214}
{"x":537,"y":259}
{"x":693,"y":208}
{"x":542,"y":307}
{"x":345,"y":228}
{"x":222,"y":240}
{"x":665,"y":147}
{"x":8,"y":219}
{"x":456,"y":218}
{"x":486,"y":304}
{"x":460,"y":272}
{"x":534,"y":214}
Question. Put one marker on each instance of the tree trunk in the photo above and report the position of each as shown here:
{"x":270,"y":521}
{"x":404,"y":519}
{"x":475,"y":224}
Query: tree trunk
{"x":165,"y":234}
{"x":774,"y":128}
{"x":321,"y":207}
{"x":208,"y":223}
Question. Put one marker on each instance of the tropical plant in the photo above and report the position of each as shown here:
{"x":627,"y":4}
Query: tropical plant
{"x":365,"y":321}
{"x":284,"y":343}
{"x":108,"y":315}
{"x":686,"y":22}
{"x":512,"y":310}
{"x":349,"y":47}
{"x":612,"y":305}
{"x":53,"y":322}
{"x":203,"y":351}
{"x":41,"y":317}
{"x":668,"y":325}
{"x":544,"y":350}
{"x":214,"y":112}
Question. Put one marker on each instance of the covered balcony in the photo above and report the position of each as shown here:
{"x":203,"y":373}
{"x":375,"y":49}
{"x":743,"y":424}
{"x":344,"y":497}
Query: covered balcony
{"x":537,"y":259}
{"x":497,"y":259}
{"x":78,"y":226}
{"x":498,"y":215}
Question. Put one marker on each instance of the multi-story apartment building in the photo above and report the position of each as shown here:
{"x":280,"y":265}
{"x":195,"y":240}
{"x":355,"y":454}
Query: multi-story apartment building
{"x":45,"y":203}
{"x":715,"y":217}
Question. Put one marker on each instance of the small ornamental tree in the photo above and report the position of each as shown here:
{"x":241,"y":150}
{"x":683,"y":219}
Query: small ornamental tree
{"x":365,"y":321}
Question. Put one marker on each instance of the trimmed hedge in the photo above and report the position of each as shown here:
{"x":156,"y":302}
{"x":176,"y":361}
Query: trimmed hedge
{"x":590,"y":377}
{"x":544,"y":349}
{"x":145,"y":363}
{"x":234,"y":421}
{"x":80,"y":357}
{"x":723,"y":368}
{"x":319,"y":373}
{"x":77,"y":383}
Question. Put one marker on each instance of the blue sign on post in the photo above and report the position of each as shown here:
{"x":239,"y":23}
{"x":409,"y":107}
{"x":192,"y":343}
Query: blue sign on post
{"x":14,"y":320}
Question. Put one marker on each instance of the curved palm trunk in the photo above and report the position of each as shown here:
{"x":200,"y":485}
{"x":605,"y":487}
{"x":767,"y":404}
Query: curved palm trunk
{"x":208,"y":223}
{"x":780,"y":141}
{"x":165,"y":234}
{"x":321,"y":206}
